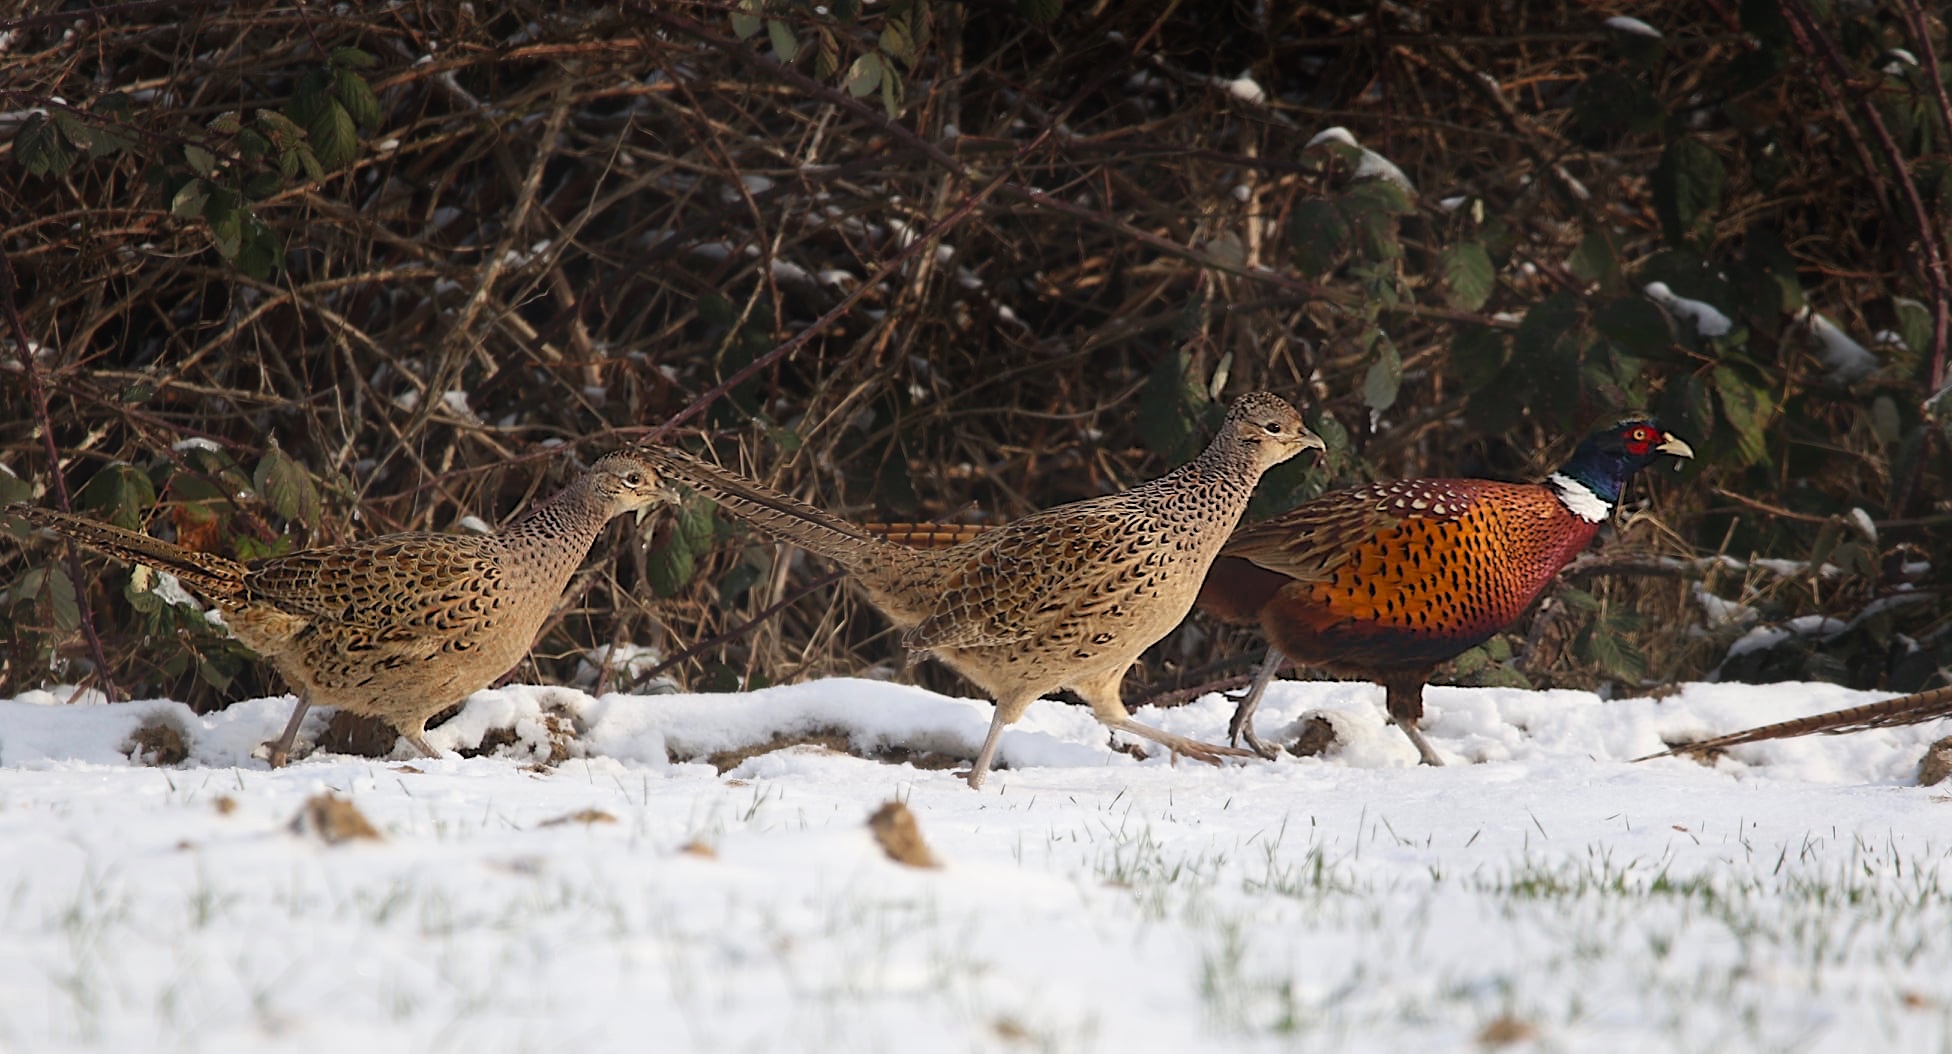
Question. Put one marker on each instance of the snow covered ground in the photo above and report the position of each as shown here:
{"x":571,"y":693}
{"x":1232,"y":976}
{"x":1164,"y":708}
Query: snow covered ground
{"x":1547,"y":896}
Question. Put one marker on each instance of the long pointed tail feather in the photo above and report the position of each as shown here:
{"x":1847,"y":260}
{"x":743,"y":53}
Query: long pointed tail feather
{"x":927,"y":535}
{"x":213,"y":576}
{"x":791,"y":519}
{"x":1913,"y":709}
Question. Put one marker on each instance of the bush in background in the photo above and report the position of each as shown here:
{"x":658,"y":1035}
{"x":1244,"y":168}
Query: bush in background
{"x":287,"y":276}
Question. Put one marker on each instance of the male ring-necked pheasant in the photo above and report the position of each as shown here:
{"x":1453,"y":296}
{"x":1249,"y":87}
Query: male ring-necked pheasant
{"x":1387,"y":581}
{"x":402,"y":626}
{"x":1064,"y":598}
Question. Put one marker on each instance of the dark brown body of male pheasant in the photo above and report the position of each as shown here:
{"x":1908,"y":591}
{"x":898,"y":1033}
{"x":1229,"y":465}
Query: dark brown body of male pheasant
{"x":1387,"y":581}
{"x":1064,"y":598}
{"x":403,"y":626}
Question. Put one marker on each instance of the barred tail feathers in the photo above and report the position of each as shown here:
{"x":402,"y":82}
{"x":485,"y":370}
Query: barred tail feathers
{"x":790,"y":519}
{"x":213,"y":576}
{"x":1913,"y":709}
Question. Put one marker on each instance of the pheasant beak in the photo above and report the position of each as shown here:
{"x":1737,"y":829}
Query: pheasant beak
{"x":1311,"y":441}
{"x":1673,"y":444}
{"x":664,"y":495}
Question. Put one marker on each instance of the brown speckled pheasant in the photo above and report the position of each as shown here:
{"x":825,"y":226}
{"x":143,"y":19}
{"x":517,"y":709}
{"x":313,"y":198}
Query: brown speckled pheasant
{"x":1387,"y":581}
{"x":1914,"y":709}
{"x":1064,"y":598}
{"x":403,"y":626}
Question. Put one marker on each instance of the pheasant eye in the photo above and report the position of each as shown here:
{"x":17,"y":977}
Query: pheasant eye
{"x":635,"y":479}
{"x":1273,"y":428}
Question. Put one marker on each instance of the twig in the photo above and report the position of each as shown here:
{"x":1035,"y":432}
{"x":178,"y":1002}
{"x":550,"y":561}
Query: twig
{"x":1925,"y":249}
{"x":1928,"y":62}
{"x":928,"y":239}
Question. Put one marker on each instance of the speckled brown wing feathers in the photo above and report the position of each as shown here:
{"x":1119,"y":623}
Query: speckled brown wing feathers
{"x":1038,"y":575}
{"x":405,"y":584}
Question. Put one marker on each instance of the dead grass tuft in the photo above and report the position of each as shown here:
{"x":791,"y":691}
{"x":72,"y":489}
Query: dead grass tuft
{"x":157,"y":742}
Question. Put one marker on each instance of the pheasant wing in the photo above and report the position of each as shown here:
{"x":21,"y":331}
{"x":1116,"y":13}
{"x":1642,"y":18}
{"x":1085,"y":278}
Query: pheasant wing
{"x":400,"y":586}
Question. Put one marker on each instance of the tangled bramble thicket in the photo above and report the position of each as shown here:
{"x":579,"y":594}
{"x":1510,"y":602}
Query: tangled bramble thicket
{"x":287,"y":275}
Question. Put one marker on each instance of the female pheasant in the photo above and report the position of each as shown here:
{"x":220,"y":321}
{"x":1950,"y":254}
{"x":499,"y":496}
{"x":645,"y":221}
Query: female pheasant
{"x":1387,"y":581}
{"x":1064,"y":598}
{"x":402,"y":626}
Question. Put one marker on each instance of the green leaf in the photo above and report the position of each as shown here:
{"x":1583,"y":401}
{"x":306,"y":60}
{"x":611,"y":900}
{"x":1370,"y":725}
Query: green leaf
{"x":121,"y":493}
{"x":1477,"y":354}
{"x":1384,"y":379}
{"x":1609,"y":106}
{"x":864,"y":76}
{"x":309,"y":161}
{"x":827,"y":61}
{"x":1747,"y":408}
{"x":1378,"y":196}
{"x":252,"y":144}
{"x":1605,"y":646}
{"x":40,"y":149}
{"x":261,"y":185}
{"x":1040,"y":12}
{"x":1635,"y":326}
{"x":285,"y":485}
{"x":1914,"y":324}
{"x":1688,"y":407}
{"x":671,"y":566}
{"x":1545,"y":358}
{"x":784,"y":44}
{"x":279,"y":129}
{"x":1595,"y":262}
{"x":1170,"y":407}
{"x":746,"y":25}
{"x":1468,"y":275}
{"x":190,"y":199}
{"x":50,"y":587}
{"x":896,"y":43}
{"x":260,"y":251}
{"x":891,"y":91}
{"x":1320,"y":236}
{"x":1578,"y":600}
{"x":333,"y":138}
{"x":13,"y":489}
{"x":358,"y":99}
{"x":353,"y":59}
{"x":227,"y":233}
{"x":75,"y":130}
{"x":1688,"y":191}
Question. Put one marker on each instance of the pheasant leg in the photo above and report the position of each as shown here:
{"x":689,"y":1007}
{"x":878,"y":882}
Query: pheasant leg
{"x":981,"y":770}
{"x":1409,"y":727}
{"x":1242,"y":725}
{"x":420,"y":744}
{"x":281,"y":750}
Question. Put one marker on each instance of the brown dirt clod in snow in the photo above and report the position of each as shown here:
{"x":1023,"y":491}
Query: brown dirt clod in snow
{"x":1936,"y":764}
{"x":900,"y":836}
{"x":333,"y":820}
{"x":1317,"y":738}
